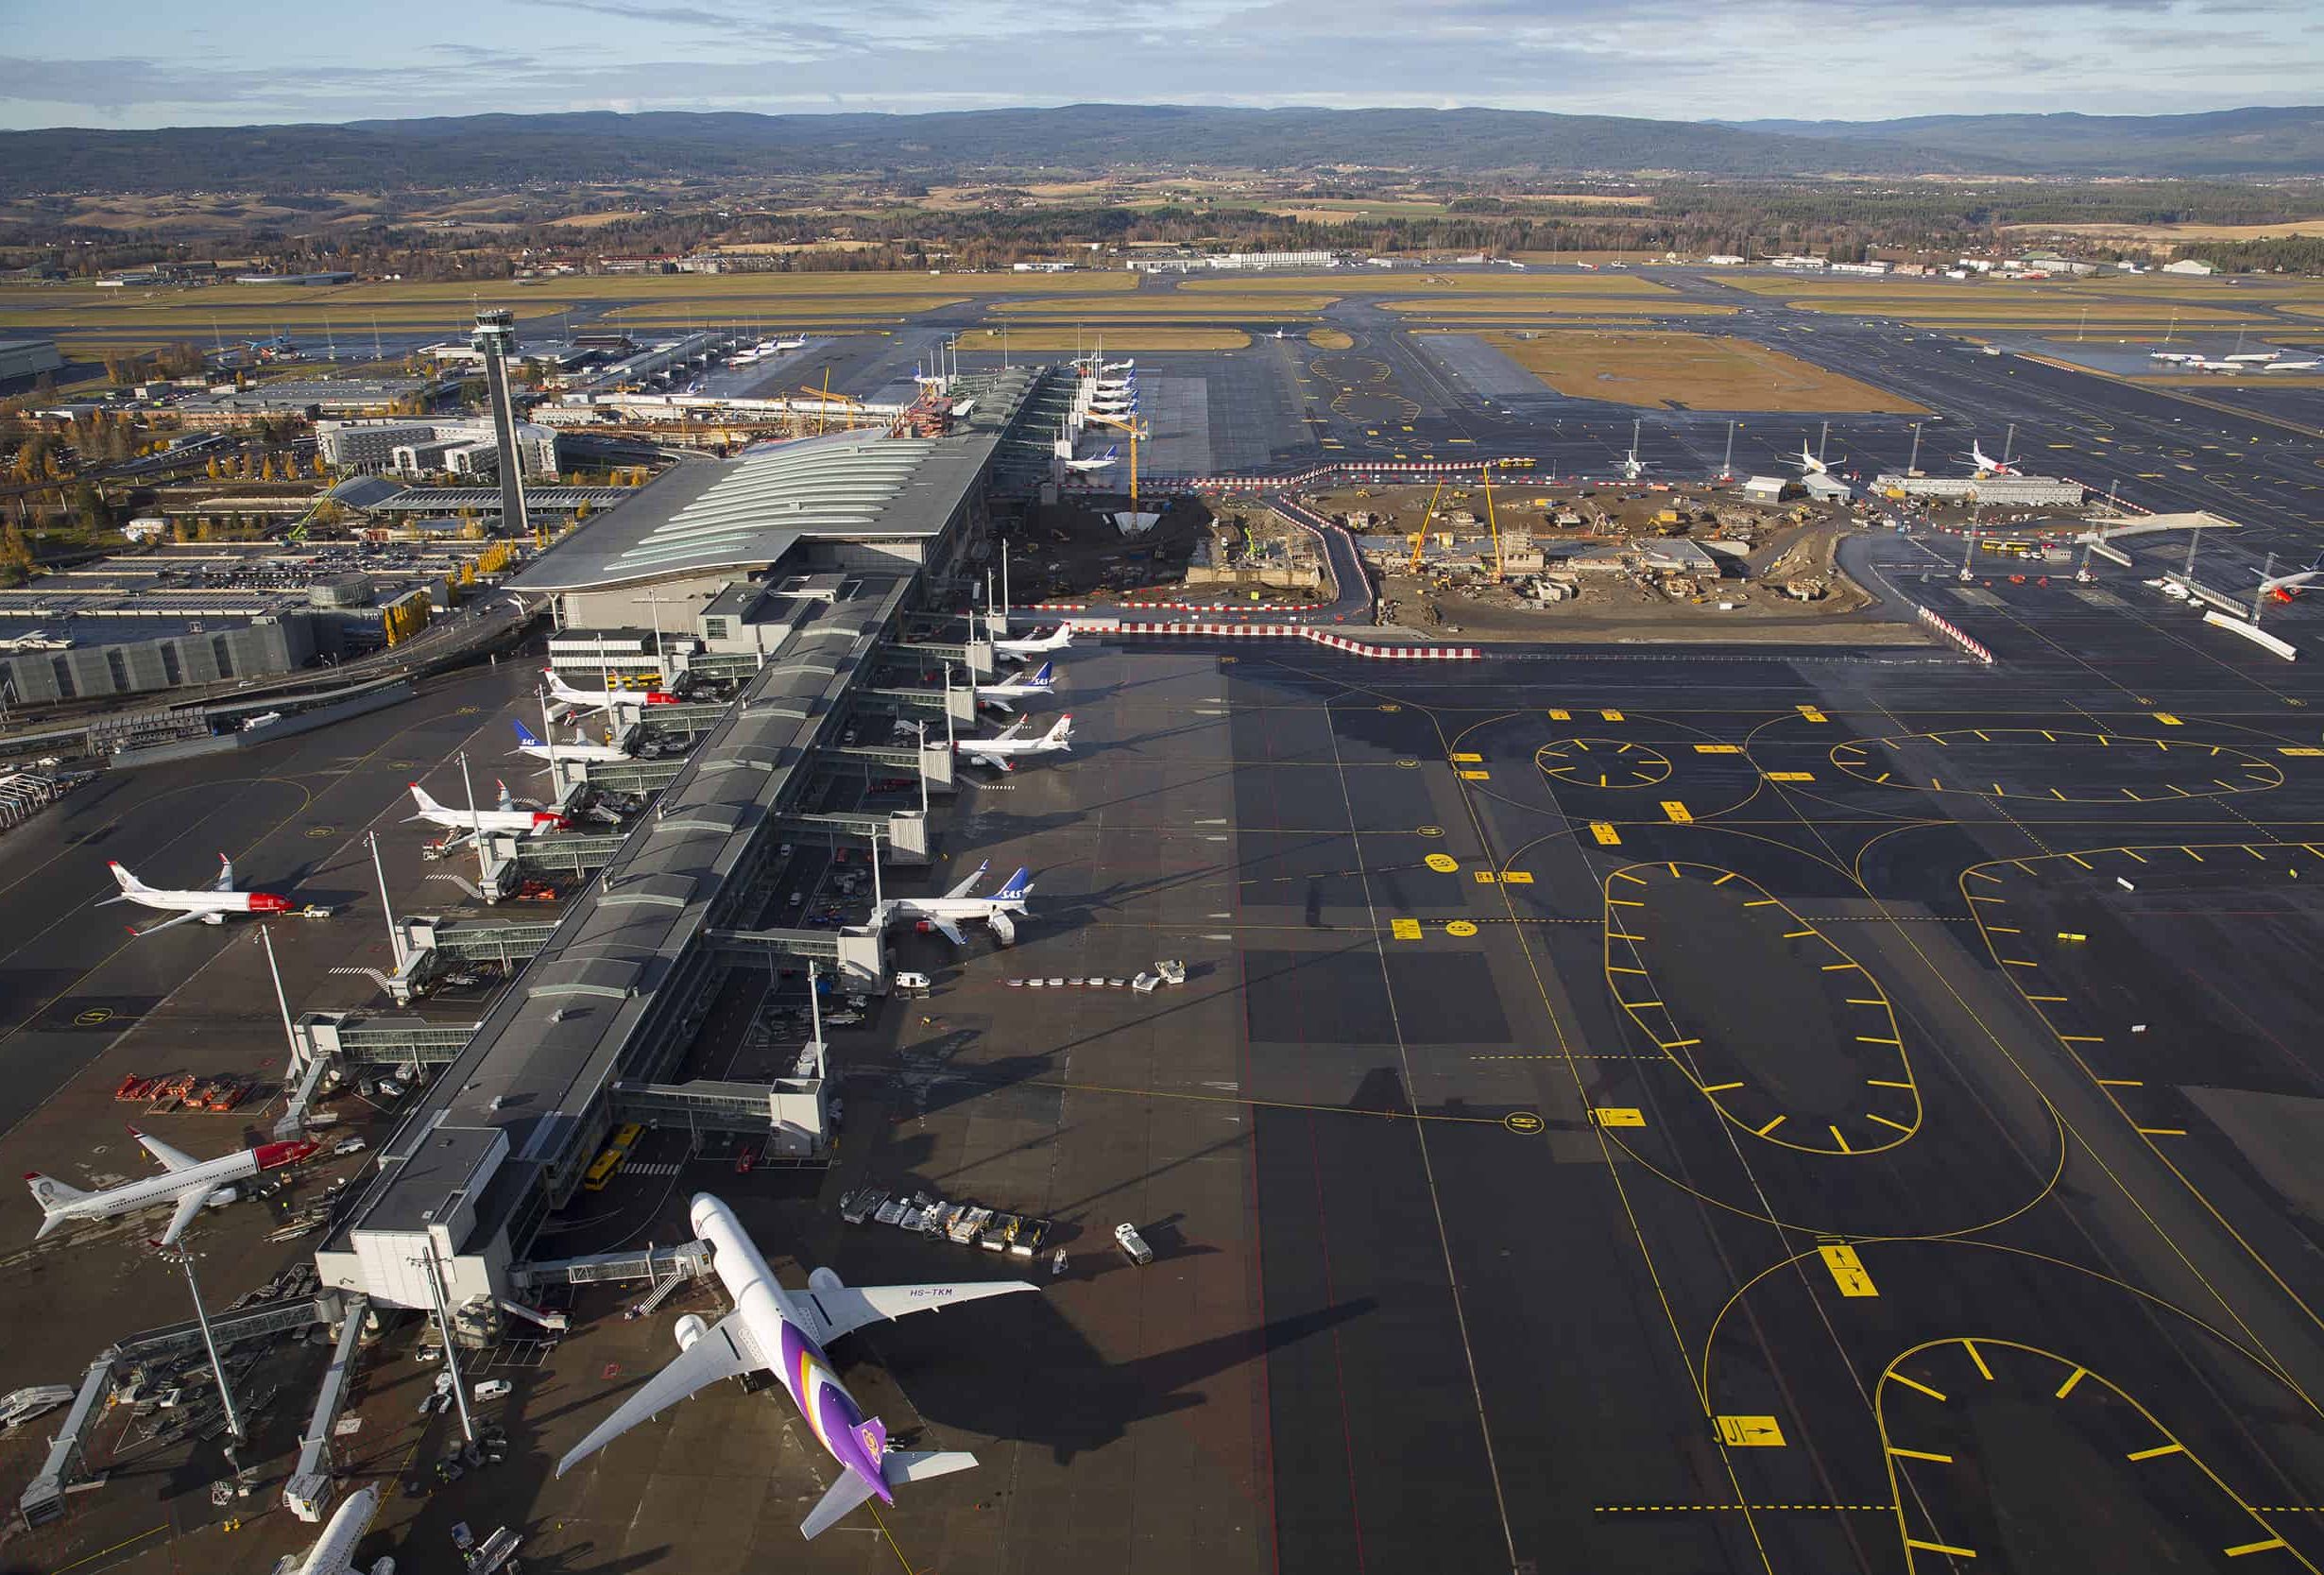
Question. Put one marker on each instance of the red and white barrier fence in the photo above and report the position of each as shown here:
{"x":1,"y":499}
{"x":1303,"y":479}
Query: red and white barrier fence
{"x":1300,"y":631}
{"x":1952,"y":631}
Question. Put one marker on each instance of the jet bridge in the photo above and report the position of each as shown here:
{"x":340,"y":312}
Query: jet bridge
{"x":308,"y":1493}
{"x":43,"y":1497}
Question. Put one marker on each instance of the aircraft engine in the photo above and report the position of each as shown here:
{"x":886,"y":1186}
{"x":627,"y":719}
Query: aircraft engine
{"x":223,"y":1196}
{"x":826,"y":1279}
{"x":1003,"y":931}
{"x":691,"y":1328}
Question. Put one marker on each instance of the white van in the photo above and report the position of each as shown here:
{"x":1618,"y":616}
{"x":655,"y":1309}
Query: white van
{"x":493,"y":1389}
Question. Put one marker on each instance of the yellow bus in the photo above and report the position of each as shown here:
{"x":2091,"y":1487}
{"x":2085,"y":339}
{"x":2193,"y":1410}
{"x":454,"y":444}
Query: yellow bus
{"x":625,"y":1137}
{"x":601,"y":1170}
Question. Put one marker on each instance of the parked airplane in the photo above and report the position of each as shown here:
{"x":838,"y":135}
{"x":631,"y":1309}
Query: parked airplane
{"x":210,"y":905}
{"x":1808,"y":463}
{"x":2292,"y":366}
{"x":946,"y":913}
{"x":1034,"y":645}
{"x":1987,"y":465}
{"x":1003,"y":696}
{"x":528,"y":745}
{"x":1130,"y":366}
{"x":578,"y":700}
{"x":2171,"y":355}
{"x":333,"y":1552}
{"x":996,"y":751}
{"x":1632,"y":466}
{"x":1098,"y":462}
{"x":188,"y":1182}
{"x":2284,"y":587}
{"x":469,"y":822}
{"x":773,"y":1331}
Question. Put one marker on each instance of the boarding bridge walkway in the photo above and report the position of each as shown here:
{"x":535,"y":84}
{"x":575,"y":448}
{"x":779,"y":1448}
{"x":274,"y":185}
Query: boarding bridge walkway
{"x":654,"y":1263}
{"x":355,"y":1041}
{"x":308,"y":1493}
{"x":43,"y":1497}
{"x":789,"y":1113}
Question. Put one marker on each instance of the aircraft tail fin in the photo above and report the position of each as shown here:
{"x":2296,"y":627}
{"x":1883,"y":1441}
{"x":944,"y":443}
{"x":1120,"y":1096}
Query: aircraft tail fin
{"x":524,"y":734}
{"x":129,"y":884}
{"x":1062,"y":731}
{"x":875,"y":1436}
{"x":1017,"y":885}
{"x":55,"y":1199}
{"x":427,"y":805}
{"x":1047,"y":672}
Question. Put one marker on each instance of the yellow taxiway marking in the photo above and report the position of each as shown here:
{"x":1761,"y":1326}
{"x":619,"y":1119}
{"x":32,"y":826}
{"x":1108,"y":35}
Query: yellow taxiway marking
{"x":2157,"y":1451}
{"x":1679,"y":813}
{"x":1618,"y":1114}
{"x":1848,"y":1271}
{"x":1970,"y":1346}
{"x":2269,"y":1546}
{"x":1944,"y":1548}
{"x":1607,"y":836}
{"x":1476,"y":775}
{"x":1568,"y":716}
{"x":1611,"y":715}
{"x":1791,"y":776}
{"x":1763,"y":1131}
{"x":1517,"y":876}
{"x":1719,"y":748}
{"x":1468,"y":760}
{"x":1443,"y":863}
{"x":1749,"y":1433}
{"x":2071,"y":1379}
{"x":1936,"y":1394}
{"x":2167,"y":719}
{"x":1403,"y":928}
{"x":1904,"y":1453}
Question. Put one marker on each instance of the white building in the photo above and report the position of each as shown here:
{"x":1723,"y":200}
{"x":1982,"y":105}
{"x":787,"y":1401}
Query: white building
{"x":2187,"y":264}
{"x":417,"y":446}
{"x":1724,"y":260}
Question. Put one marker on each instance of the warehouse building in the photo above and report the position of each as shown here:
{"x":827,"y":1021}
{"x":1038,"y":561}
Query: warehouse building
{"x":2003,"y":491}
{"x":417,"y":446}
{"x":23,"y":361}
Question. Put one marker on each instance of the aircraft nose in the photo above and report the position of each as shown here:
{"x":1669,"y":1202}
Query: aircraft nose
{"x":267,"y":903}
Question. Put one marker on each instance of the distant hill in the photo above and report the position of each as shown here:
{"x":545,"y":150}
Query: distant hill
{"x":507,"y":150}
{"x":2223,"y":142}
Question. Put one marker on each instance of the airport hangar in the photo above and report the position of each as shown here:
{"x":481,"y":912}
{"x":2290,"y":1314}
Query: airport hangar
{"x":856,"y":528}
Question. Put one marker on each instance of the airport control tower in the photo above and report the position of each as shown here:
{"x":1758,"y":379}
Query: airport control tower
{"x":496,"y":337}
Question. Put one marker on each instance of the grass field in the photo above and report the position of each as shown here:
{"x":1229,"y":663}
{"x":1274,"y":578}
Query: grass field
{"x":1331,"y":339}
{"x":1407,"y":280}
{"x":1552,"y":309}
{"x":1691,"y":371}
{"x":2173,"y":234}
{"x":1131,"y":337}
{"x":1270,"y":306}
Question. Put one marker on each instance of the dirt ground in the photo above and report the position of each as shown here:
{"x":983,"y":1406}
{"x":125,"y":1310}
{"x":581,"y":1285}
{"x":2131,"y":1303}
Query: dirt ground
{"x":1689,"y":371}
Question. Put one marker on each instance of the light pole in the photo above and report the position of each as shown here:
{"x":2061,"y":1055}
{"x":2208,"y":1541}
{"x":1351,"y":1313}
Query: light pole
{"x":395,"y":937}
{"x":443,"y":1320}
{"x":217,"y":1367}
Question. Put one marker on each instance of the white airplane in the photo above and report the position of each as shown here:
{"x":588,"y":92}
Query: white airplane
{"x":333,"y":1552}
{"x":469,"y":822}
{"x":1098,"y":462}
{"x":1034,"y":645}
{"x":2284,"y":587}
{"x":1808,"y":463}
{"x":2170,"y":355}
{"x":1003,"y":696}
{"x":946,"y":913}
{"x":528,"y":745}
{"x":2292,"y":366}
{"x":1987,"y":465}
{"x":189,"y":1183}
{"x":210,"y":905}
{"x":1632,"y":466}
{"x":995,"y":751}
{"x":580,"y":700}
{"x":1117,"y":367}
{"x":773,"y":1331}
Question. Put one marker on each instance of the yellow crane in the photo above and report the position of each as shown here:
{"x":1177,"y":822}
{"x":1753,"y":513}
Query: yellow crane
{"x":1128,"y":424}
{"x":826,"y":394}
{"x":1420,"y":537}
{"x":1494,"y":525}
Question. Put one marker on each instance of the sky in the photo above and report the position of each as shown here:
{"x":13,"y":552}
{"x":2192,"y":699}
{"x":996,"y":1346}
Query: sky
{"x":127,"y":63}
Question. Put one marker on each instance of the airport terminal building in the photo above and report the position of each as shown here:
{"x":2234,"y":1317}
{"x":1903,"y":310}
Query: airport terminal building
{"x":820,"y":546}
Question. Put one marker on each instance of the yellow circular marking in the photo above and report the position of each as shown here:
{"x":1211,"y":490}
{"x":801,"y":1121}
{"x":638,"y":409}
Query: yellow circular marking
{"x":469,"y":711}
{"x":1443,"y":863}
{"x":1605,"y":762}
{"x":1408,"y":764}
{"x":1523,"y":1122}
{"x":1224,"y":660}
{"x":1431,"y":831}
{"x":94,"y":1015}
{"x":1950,"y":760}
{"x":1392,"y":707}
{"x":1461,"y":927}
{"x":320,"y":832}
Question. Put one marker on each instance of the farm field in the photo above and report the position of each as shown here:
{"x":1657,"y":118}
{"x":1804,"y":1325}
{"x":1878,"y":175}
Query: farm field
{"x":1404,"y":281}
{"x":1689,"y":371}
{"x":1130,"y":337}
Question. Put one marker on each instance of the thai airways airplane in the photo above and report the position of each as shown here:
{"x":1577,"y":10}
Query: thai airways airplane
{"x":189,"y":1183}
{"x":946,"y":913}
{"x":1034,"y":645}
{"x":1098,"y":462}
{"x":996,"y":751}
{"x":469,"y":822}
{"x":1003,"y":696}
{"x":580,"y":700}
{"x":333,"y":1552}
{"x":210,"y":905}
{"x":1987,"y":465}
{"x":775,"y":1330}
{"x":528,"y":745}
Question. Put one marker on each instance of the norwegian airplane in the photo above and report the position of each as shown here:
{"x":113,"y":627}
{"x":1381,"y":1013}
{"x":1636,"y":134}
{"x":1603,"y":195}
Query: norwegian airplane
{"x":1003,"y":696}
{"x":529,"y":744}
{"x":577,"y":701}
{"x":531,"y":823}
{"x":1034,"y":645}
{"x":945,"y":914}
{"x":996,"y":751}
{"x":1987,"y":465}
{"x":783,"y":1332}
{"x":189,"y":1183}
{"x":210,"y":905}
{"x":1098,"y":462}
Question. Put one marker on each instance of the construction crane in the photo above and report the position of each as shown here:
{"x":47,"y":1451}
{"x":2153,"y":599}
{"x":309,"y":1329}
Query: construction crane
{"x":1420,"y":537}
{"x":847,"y":402}
{"x":1128,"y":424}
{"x":1492,"y":524}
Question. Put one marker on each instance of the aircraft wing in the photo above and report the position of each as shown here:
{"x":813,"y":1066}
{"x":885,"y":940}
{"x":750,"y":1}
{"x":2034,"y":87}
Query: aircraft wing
{"x":974,"y":875}
{"x":997,"y":763}
{"x":189,"y":1203}
{"x":850,"y":1490}
{"x":726,"y":1351}
{"x":1008,"y":733}
{"x":186,"y":917}
{"x":226,"y":875}
{"x":846,"y":1309}
{"x":950,"y":931}
{"x":998,"y":700}
{"x":173,"y":1158}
